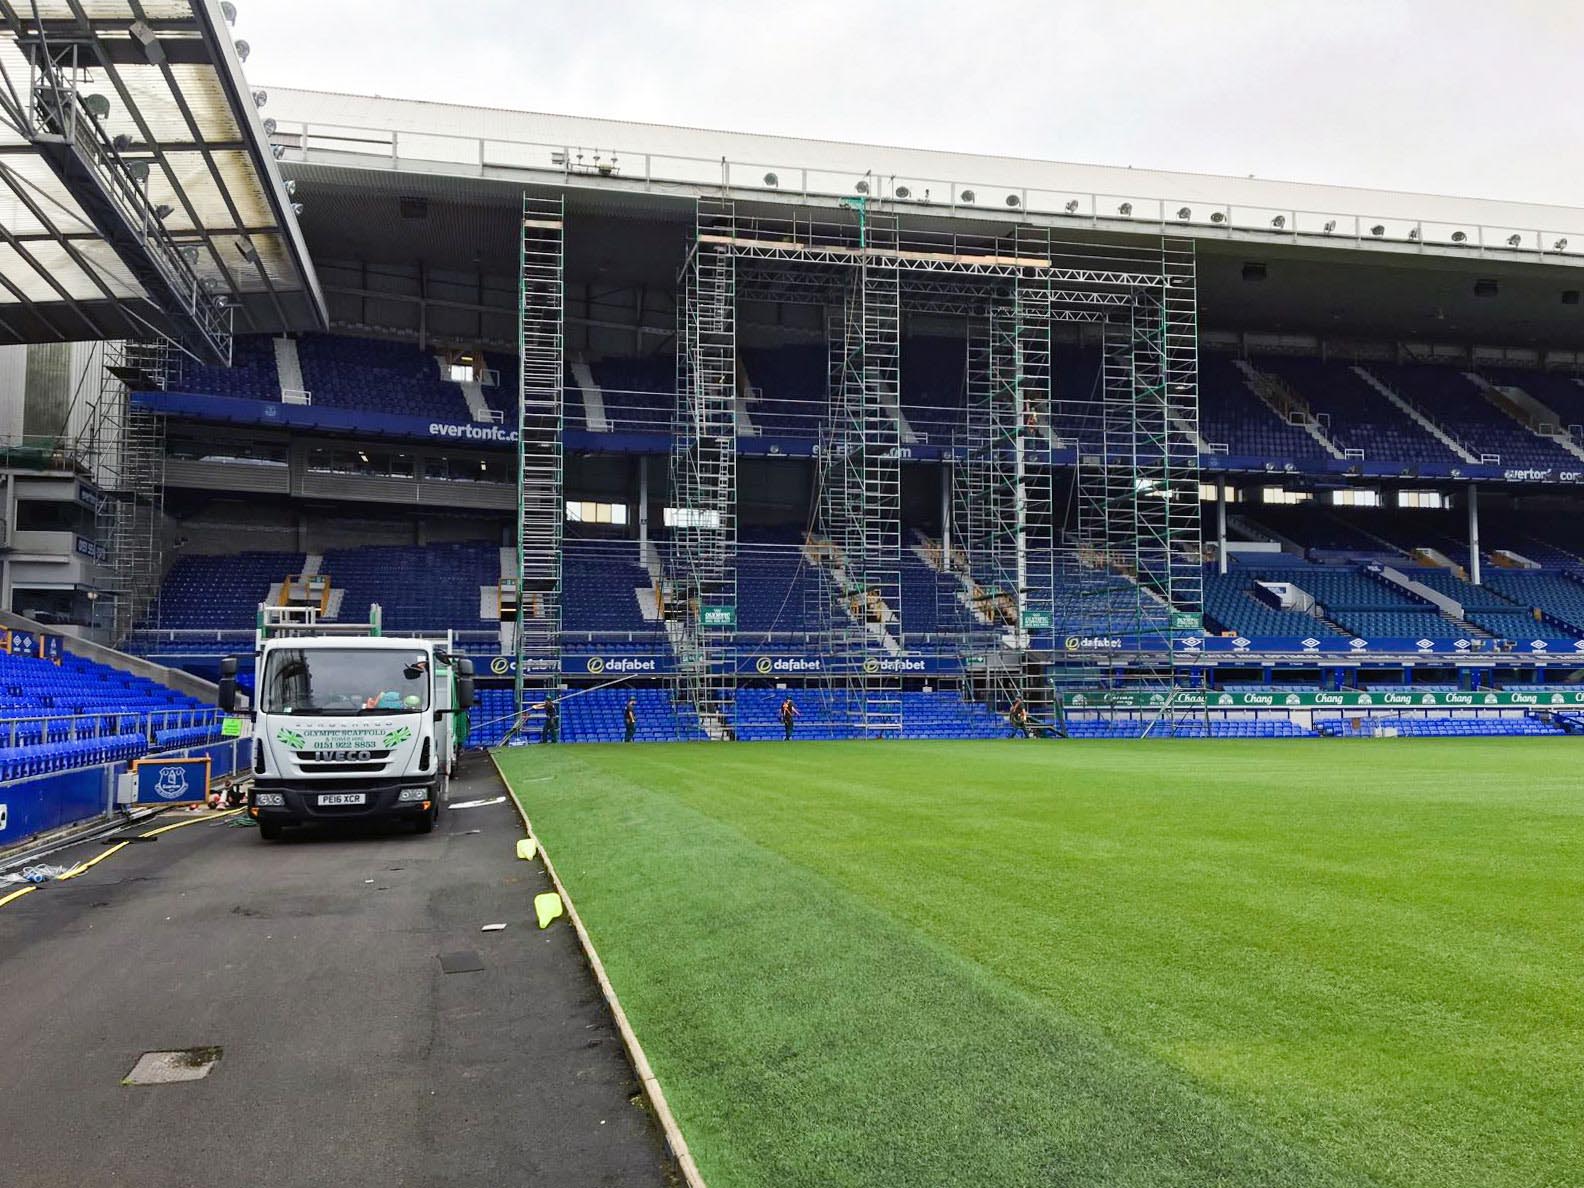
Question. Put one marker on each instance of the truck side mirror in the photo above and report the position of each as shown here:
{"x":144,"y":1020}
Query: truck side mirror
{"x":226,"y":699}
{"x":464,"y":692}
{"x":464,"y":666}
{"x":228,"y":666}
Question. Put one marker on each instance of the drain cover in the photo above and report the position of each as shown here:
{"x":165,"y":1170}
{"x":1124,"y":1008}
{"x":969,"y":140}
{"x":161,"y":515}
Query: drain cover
{"x":465,"y":961}
{"x":165,"y":1068}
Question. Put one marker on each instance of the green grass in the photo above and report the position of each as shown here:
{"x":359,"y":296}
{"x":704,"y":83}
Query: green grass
{"x":1230,"y":963}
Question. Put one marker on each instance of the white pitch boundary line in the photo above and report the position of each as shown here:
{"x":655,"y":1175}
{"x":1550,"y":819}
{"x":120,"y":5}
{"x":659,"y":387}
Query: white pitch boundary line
{"x":635,"y":1052}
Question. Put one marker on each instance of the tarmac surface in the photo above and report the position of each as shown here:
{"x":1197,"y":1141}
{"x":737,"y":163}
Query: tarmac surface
{"x":347,"y":1055}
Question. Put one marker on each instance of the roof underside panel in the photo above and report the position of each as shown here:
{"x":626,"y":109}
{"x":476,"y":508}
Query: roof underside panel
{"x":159,"y":99}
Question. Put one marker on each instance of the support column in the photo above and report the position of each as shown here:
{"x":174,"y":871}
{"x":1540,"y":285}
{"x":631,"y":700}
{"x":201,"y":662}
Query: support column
{"x":1473,"y":532}
{"x":643,"y":504}
{"x":945,"y":513}
{"x":1221,"y":552}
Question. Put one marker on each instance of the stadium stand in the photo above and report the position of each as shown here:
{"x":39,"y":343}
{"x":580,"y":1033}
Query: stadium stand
{"x":1358,"y":416}
{"x":375,"y":376}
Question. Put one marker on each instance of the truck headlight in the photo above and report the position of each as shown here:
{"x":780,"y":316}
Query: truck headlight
{"x":269,"y":800}
{"x":413,"y":794}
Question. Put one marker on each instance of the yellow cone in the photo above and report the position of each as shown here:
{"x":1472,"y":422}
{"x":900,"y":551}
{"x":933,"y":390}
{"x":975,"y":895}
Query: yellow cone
{"x":527,"y":848}
{"x":548,"y":907}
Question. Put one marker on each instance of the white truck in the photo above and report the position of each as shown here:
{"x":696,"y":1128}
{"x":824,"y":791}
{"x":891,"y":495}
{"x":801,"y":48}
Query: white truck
{"x":350,"y":723}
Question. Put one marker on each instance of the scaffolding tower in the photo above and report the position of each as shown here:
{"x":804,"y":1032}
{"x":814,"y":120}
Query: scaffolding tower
{"x":1002,"y":503}
{"x":1134,"y":554}
{"x":860,"y":505}
{"x":126,"y":454}
{"x":540,"y":503}
{"x":701,"y":600}
{"x":1009,"y":538}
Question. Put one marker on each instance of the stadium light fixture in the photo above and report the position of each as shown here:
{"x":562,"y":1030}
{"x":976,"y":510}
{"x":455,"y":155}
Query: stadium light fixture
{"x":1515,"y":240}
{"x":1185,"y":214}
{"x":1413,"y":234}
{"x":772,"y":180}
{"x":1559,"y":246}
{"x":297,"y":208}
{"x":163,"y":211}
{"x":1330,"y":226}
{"x":1377,"y":230}
{"x":138,"y":171}
{"x":269,"y":126}
{"x":260,"y":98}
{"x":1072,"y":206}
{"x":1013,"y":200}
{"x":228,"y":10}
{"x":967,"y":195}
{"x":1460,"y":237}
{"x":121,"y":143}
{"x":243,"y":49}
{"x":1217,"y":217}
{"x":1125,"y":209}
{"x":291,"y":185}
{"x":1279,"y":222}
{"x":903,"y":192}
{"x":279,"y":150}
{"x":97,"y":106}
{"x":862,"y":187}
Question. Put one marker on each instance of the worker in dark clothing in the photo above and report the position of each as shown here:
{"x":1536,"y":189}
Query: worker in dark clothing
{"x":1018,"y":716}
{"x":550,"y":732}
{"x":788,"y":713}
{"x":630,"y":719}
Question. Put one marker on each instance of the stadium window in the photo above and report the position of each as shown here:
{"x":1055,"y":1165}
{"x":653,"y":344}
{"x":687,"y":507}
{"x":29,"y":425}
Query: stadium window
{"x":1367,"y":498}
{"x":582,"y":511}
{"x":691,"y":517}
{"x":1207,"y":493}
{"x":1282,"y":495}
{"x":461,"y":373}
{"x":1426,"y":500}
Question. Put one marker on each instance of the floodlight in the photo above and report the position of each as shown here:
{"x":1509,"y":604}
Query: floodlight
{"x":1125,"y":209}
{"x":138,"y":171}
{"x":1185,"y":213}
{"x":903,"y":192}
{"x":1217,"y":217}
{"x":163,"y":211}
{"x":121,"y":143}
{"x":260,"y":98}
{"x":1413,"y":234}
{"x":97,"y":106}
{"x":190,"y":255}
{"x":279,"y":150}
{"x":291,"y":185}
{"x":228,"y":10}
{"x":862,"y":187}
{"x":1330,"y":226}
{"x":1279,"y":222}
{"x":967,"y":195}
{"x":1377,"y":230}
{"x":1515,"y":240}
{"x":1072,"y":206}
{"x":269,"y":127}
{"x":243,"y":49}
{"x":1013,"y":200}
{"x":247,"y":251}
{"x":1559,"y":246}
{"x":772,"y":180}
{"x":297,"y":208}
{"x":1460,"y":237}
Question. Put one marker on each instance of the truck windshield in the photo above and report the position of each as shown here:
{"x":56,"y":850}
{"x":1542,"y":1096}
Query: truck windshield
{"x":346,"y":681}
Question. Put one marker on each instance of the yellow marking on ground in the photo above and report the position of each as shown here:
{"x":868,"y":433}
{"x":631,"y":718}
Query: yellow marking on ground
{"x":92,"y":862}
{"x":193,"y":821}
{"x":5,"y":899}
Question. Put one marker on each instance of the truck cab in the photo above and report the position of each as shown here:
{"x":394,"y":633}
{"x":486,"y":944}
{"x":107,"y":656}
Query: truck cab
{"x":350,"y":724}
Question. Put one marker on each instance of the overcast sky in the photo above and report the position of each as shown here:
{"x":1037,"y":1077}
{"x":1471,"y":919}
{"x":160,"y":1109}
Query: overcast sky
{"x":1444,"y":96}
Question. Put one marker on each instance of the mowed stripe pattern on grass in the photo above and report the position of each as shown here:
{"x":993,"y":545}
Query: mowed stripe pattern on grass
{"x":1261,"y":963}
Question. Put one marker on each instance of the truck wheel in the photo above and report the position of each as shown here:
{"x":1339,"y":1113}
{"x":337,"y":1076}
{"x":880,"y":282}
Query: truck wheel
{"x":270,"y":831}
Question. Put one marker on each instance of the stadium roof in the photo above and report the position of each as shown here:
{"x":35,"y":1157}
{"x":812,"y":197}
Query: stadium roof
{"x":415,"y":136}
{"x":361,"y":162}
{"x":138,"y":191}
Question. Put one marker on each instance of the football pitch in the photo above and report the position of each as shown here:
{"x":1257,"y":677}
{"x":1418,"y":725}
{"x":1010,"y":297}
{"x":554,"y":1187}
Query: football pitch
{"x":1302,"y":963}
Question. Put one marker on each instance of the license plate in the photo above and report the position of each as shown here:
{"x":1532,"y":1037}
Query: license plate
{"x":341,"y":798}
